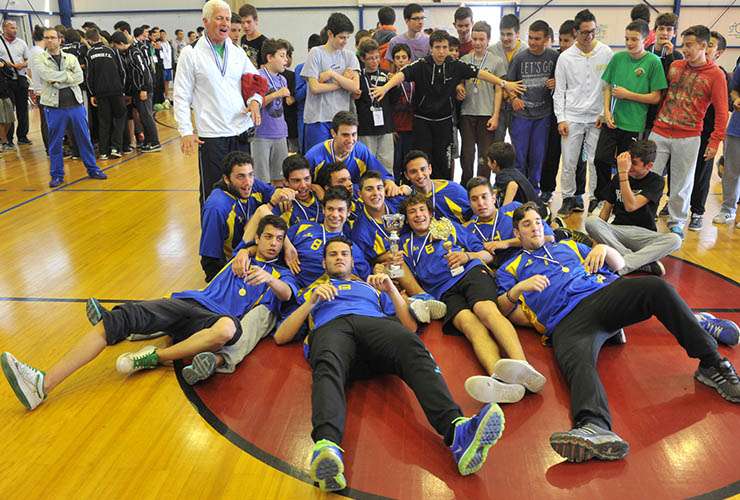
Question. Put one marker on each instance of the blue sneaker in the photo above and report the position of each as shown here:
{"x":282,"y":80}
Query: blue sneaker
{"x":474,"y":436}
{"x":96,"y":174}
{"x":722,"y":330}
{"x":327,"y":467}
{"x":94,"y":311}
{"x":676,"y":230}
{"x":56,"y":181}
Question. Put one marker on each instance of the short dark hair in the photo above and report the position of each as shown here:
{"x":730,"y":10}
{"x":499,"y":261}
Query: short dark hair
{"x":463,"y":13}
{"x":502,"y":153}
{"x":336,"y":193}
{"x":88,"y":25}
{"x":413,"y":155}
{"x":666,"y":19}
{"x":645,"y":150}
{"x":360,"y":35}
{"x":370,"y":174}
{"x":401,"y":47}
{"x":271,"y":46}
{"x":295,"y":162}
{"x":699,"y":31}
{"x":138,"y":31}
{"x":482,"y":27}
{"x":38,"y":33}
{"x":478,"y":181}
{"x":339,"y":23}
{"x":453,"y":41}
{"x":640,"y":11}
{"x":122,"y":26}
{"x":509,"y":21}
{"x":411,"y":9}
{"x":93,"y":35}
{"x":386,"y":16}
{"x":233,"y":159}
{"x":721,"y":40}
{"x":271,"y":220}
{"x":71,"y":36}
{"x":521,"y":211}
{"x":567,"y":28}
{"x":367,"y":46}
{"x":540,"y":26}
{"x":639,"y":26}
{"x":119,"y":37}
{"x":439,"y":36}
{"x":200,"y":30}
{"x":416,"y":199}
{"x":247,"y":10}
{"x":314,"y":40}
{"x":337,"y":239}
{"x":178,"y":30}
{"x":236,"y":18}
{"x":343,"y":118}
{"x":584,"y":16}
{"x":323,"y":178}
{"x":191,"y":33}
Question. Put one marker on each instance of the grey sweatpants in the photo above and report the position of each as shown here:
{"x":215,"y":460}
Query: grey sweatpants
{"x":256,"y":325}
{"x":381,"y":147}
{"x":638,"y":246}
{"x":731,"y":176}
{"x":268,"y":156}
{"x":682,"y":154}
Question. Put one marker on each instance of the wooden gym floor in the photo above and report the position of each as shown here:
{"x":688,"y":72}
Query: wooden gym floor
{"x":135,"y":236}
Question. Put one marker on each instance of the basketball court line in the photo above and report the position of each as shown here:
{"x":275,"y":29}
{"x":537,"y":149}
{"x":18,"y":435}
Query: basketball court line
{"x":65,"y":185}
{"x":82,"y":190}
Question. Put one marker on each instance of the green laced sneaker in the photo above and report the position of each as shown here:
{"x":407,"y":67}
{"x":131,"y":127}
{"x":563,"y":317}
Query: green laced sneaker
{"x":144,"y":359}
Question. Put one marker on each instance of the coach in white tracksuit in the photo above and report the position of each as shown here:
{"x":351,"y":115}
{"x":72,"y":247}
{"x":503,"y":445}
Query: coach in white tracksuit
{"x":578,"y":103}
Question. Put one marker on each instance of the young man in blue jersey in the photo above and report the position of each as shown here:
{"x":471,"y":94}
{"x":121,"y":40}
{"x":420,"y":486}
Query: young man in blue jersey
{"x":336,"y":174}
{"x":343,"y":146}
{"x":452,"y":269}
{"x":228,"y":208}
{"x":266,"y":304}
{"x":197,"y":320}
{"x":360,"y":329}
{"x":449,"y":198}
{"x":575,"y":299}
{"x":306,"y":207}
{"x":372,"y":237}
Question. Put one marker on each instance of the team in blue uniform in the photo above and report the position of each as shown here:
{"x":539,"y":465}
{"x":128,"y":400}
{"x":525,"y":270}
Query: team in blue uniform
{"x":449,"y":199}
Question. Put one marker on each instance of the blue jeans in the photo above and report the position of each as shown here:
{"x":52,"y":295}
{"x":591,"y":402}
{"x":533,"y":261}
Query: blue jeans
{"x":530,"y":142}
{"x":57,"y":120}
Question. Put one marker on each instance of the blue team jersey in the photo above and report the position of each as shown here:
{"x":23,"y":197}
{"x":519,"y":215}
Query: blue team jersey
{"x":426,"y":259}
{"x":353,"y":297}
{"x":309,"y":240}
{"x":229,"y":294}
{"x":224,"y":218}
{"x":562,"y":263}
{"x":370,"y":235}
{"x":300,"y":212}
{"x":499,"y":229}
{"x":449,"y":199}
{"x":359,"y":161}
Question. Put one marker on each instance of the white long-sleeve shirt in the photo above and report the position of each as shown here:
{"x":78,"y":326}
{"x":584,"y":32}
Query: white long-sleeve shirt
{"x":215,"y":98}
{"x":578,"y":86}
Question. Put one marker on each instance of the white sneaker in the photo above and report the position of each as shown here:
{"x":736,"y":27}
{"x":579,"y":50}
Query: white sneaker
{"x":420,"y":311}
{"x":143,"y":359}
{"x":489,"y":390}
{"x":26,"y":381}
{"x":724,"y":218}
{"x":513,"y":371}
{"x":437,"y":309}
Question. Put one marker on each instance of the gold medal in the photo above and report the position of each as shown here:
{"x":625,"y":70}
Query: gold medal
{"x":242,"y":292}
{"x":566,"y":269}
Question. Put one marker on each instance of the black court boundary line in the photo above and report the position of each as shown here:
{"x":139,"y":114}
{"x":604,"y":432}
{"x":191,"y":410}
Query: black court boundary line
{"x":276,"y":463}
{"x":65,"y":185}
{"x":720,"y":493}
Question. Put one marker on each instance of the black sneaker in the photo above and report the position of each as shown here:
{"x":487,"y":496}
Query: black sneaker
{"x":664,"y":211}
{"x":567,"y":207}
{"x":565,"y":233}
{"x":723,"y":378}
{"x":593,"y":205}
{"x":578,"y":206}
{"x":587,"y":442}
{"x":546,"y":197}
{"x":127,"y":150}
{"x":25,"y":141}
{"x":114,"y":153}
{"x":655,"y":268}
{"x":103,"y":157}
{"x":151,"y":148}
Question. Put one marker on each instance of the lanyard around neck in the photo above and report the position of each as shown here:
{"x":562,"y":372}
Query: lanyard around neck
{"x":493,"y":230}
{"x":221,"y":65}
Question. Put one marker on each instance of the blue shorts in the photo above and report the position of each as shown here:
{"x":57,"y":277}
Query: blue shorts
{"x":168,"y":75}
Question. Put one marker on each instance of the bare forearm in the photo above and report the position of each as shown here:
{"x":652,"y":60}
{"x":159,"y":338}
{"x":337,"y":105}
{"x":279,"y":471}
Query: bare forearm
{"x":613,"y":259}
{"x":483,"y":255}
{"x":348,"y":84}
{"x":292,"y":324}
{"x":282,"y":291}
{"x":402,"y":311}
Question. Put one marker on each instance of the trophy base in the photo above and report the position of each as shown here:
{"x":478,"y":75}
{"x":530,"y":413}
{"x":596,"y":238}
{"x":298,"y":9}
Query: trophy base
{"x":395,"y":273}
{"x":457,"y":271}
